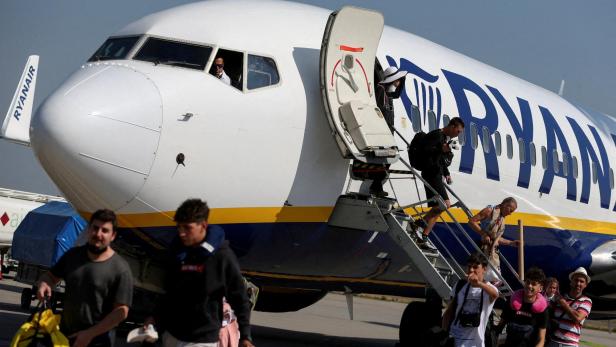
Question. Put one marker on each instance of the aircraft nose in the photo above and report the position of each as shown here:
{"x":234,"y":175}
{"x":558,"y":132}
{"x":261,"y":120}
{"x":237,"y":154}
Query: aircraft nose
{"x":97,"y":135}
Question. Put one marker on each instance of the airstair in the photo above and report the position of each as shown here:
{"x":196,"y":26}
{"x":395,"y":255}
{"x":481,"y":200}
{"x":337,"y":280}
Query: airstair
{"x":440,"y":269}
{"x":346,"y":79}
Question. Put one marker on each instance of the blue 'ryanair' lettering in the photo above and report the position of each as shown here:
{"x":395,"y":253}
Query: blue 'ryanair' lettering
{"x":555,"y":167}
{"x":430,"y":98}
{"x":588,"y":156}
{"x":25,"y":89}
{"x":426,"y":92}
{"x":522,"y":131}
{"x":460,"y":85}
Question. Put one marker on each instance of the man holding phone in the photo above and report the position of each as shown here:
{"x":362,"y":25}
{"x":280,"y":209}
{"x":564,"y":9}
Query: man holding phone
{"x":467,"y":315}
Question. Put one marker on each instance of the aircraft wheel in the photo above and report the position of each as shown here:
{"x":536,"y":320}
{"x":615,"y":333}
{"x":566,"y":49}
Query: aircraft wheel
{"x":413,"y":325}
{"x":26,"y":298}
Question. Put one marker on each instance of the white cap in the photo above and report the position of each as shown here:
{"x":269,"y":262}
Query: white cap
{"x":392,"y":74}
{"x":580,"y":271}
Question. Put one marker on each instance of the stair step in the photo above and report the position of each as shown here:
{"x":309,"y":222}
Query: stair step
{"x":368,"y":213}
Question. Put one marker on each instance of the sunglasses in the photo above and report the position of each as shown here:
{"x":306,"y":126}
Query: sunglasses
{"x":219,"y":65}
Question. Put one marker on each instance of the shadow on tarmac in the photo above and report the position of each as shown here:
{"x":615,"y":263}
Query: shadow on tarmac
{"x":11,"y":288}
{"x":272,"y":337}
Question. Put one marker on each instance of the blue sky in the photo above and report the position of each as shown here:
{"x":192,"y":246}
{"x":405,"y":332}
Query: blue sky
{"x":539,"y":41}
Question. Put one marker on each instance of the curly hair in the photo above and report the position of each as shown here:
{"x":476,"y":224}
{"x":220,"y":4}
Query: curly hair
{"x":535,"y":274}
{"x":192,"y":210}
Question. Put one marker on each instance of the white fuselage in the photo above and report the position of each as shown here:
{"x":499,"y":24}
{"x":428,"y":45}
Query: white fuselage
{"x":109,"y":136}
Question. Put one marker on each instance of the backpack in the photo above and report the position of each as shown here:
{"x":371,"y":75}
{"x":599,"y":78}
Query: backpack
{"x":417,"y":155}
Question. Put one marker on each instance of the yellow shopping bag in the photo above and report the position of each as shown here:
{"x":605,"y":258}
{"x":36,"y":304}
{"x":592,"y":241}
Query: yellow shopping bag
{"x":42,"y":330}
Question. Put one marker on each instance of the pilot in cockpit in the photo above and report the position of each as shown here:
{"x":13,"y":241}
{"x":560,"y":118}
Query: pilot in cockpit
{"x":220,"y":71}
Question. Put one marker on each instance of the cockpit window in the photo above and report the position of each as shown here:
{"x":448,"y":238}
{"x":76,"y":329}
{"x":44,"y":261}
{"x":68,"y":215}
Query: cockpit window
{"x":159,"y":51}
{"x":115,"y":48}
{"x":231,"y":65}
{"x":262,"y":72}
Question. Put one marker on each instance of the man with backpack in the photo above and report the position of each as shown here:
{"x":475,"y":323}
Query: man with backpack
{"x":431,"y":154}
{"x":467,"y":315}
{"x":526,"y":315}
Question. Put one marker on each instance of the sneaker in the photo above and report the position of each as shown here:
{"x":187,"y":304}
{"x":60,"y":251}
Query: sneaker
{"x":426,"y":245}
{"x":380,"y":194}
{"x":414,"y":231}
{"x":419,"y":226}
{"x":140,"y":335}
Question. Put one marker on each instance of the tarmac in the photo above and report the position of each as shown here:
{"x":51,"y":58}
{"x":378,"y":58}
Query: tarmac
{"x":325,"y":323}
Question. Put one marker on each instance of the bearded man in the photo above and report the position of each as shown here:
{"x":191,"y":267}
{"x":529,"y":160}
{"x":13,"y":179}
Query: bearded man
{"x":99,"y":286}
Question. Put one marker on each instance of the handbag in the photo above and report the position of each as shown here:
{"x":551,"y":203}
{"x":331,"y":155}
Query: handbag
{"x":41,"y":330}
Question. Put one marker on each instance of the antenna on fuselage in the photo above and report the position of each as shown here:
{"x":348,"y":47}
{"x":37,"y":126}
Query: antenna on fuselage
{"x":561,"y":90}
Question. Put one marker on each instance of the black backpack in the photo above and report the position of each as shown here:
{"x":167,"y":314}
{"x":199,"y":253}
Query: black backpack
{"x":417,"y":155}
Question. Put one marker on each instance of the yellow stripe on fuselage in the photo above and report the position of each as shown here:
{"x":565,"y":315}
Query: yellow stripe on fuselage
{"x":320,"y":214}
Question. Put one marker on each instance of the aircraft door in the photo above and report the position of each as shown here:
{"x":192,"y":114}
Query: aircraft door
{"x":348,"y":53}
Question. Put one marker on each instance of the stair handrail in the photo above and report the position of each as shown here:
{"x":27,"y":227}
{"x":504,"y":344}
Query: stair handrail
{"x":470,"y":215}
{"x":439,"y":199}
{"x":454,"y":273}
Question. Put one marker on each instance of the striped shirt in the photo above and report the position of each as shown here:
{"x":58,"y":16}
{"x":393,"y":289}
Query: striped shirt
{"x":568,"y":331}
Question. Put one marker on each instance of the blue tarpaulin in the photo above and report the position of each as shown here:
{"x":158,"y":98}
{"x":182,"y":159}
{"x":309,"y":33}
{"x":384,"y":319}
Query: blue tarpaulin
{"x":46,"y":234}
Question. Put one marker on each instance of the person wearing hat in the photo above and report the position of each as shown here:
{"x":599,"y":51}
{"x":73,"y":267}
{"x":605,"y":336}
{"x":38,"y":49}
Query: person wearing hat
{"x":388,"y":89}
{"x":571,"y":311}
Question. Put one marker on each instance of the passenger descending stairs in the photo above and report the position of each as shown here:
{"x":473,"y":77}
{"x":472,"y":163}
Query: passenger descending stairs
{"x":437,"y":271}
{"x":439,"y":268}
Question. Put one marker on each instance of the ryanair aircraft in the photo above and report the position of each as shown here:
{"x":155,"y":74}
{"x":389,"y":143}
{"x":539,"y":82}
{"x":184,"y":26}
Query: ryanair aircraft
{"x":145,"y":123}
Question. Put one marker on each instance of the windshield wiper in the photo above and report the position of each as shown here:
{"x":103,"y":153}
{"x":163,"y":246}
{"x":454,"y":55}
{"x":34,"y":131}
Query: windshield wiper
{"x":177,"y":63}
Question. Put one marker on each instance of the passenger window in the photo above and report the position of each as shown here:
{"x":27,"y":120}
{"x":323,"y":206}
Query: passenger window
{"x":462,"y":137}
{"x":611,"y":178}
{"x":115,"y":48}
{"x":497,"y":143}
{"x":544,"y":158}
{"x":509,"y":147}
{"x":415,"y":118}
{"x":474,"y":139}
{"x":431,"y":120}
{"x":565,"y":164}
{"x":166,"y":52}
{"x":533,"y":154}
{"x":555,"y":161}
{"x":232,"y":65}
{"x":575,"y":167}
{"x":594,"y":172}
{"x":262,"y":72}
{"x":446,"y":120}
{"x":522,"y":150}
{"x":485,"y":141}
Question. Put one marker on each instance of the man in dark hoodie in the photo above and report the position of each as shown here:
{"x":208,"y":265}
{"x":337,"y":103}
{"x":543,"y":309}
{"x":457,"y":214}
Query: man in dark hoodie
{"x":201,"y":271}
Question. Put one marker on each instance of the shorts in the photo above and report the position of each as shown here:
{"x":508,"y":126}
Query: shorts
{"x":436,"y":181}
